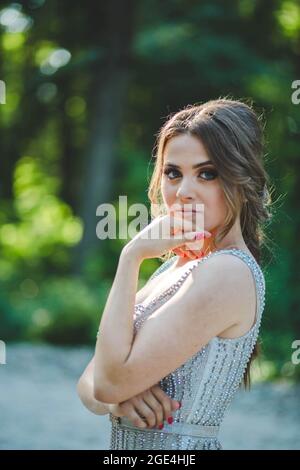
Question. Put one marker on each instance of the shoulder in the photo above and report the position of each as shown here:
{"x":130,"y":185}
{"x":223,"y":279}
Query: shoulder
{"x":223,"y":268}
{"x":222,"y":280}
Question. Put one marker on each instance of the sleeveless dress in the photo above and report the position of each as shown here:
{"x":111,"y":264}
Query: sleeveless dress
{"x":205,"y":384}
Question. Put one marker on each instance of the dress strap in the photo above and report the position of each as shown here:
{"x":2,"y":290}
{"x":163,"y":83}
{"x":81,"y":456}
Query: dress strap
{"x":163,"y":267}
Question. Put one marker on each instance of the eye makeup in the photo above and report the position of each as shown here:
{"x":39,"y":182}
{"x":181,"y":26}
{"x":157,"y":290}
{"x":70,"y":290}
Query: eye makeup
{"x":210,"y":172}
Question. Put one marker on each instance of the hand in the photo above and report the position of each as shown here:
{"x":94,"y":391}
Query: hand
{"x":184,"y":252}
{"x":152,"y":404}
{"x":166,"y":233}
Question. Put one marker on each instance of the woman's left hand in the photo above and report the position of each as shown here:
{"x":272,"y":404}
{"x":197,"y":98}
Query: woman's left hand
{"x":163,"y":234}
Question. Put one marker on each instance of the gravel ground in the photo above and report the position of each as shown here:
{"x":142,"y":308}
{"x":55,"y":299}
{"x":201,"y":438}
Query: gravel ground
{"x":40,"y":409}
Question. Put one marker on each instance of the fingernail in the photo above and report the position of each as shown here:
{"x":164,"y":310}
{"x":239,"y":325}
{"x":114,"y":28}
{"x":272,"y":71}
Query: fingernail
{"x":199,"y":236}
{"x":179,"y":404}
{"x":170,"y":420}
{"x":160,"y":426}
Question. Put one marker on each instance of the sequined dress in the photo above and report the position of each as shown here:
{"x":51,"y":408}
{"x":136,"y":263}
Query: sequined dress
{"x":205,"y":384}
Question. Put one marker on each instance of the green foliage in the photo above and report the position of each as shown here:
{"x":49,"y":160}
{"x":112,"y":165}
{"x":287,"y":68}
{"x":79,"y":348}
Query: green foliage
{"x":58,"y":310}
{"x":181,"y":53}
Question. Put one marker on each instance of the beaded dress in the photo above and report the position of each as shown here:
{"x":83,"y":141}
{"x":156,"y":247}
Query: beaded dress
{"x":205,"y":384}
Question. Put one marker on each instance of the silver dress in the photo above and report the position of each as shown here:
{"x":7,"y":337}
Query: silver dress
{"x":205,"y":384}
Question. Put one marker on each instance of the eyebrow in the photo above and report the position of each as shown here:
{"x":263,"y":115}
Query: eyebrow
{"x":198,"y":165}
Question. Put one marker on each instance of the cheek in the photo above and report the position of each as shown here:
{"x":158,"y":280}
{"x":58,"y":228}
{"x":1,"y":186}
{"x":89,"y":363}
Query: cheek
{"x":221,"y":201}
{"x":216,"y":207}
{"x":168,"y":193}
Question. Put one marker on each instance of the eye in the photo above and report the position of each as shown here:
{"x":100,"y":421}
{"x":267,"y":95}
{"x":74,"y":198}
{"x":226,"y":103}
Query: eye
{"x":210,"y":174}
{"x":168,"y":172}
{"x":206,"y":175}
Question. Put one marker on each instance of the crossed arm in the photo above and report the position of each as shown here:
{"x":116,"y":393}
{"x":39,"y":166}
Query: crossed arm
{"x":205,"y":306}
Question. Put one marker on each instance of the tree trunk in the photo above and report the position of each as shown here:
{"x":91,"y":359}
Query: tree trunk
{"x":109,"y":92}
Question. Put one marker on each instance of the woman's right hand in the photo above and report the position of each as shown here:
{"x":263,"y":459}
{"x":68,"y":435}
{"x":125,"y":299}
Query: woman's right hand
{"x":152,"y":404}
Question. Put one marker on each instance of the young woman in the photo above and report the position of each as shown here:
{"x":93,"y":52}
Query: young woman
{"x":179,"y":349}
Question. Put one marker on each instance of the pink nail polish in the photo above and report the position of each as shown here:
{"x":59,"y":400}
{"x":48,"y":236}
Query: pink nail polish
{"x":199,"y":236}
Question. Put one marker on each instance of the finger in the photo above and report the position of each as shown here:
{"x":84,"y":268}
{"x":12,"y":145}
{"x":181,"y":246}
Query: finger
{"x":179,"y":225}
{"x":136,"y":419}
{"x":157,"y":413}
{"x":190,"y":254}
{"x":196,"y":220}
{"x":175,"y":405}
{"x":186,"y":253}
{"x":179,"y":240}
{"x":193,"y":249}
{"x":164,"y":400}
{"x":198,"y":243}
{"x":128,"y":410}
{"x":179,"y":252}
{"x":145,"y":409}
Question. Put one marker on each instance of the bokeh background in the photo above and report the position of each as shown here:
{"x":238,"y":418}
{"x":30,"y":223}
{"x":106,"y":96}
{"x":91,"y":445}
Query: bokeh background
{"x":88,"y":85}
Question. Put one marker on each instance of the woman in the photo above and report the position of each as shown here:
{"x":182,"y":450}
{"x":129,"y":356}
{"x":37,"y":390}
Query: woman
{"x":194,"y":331}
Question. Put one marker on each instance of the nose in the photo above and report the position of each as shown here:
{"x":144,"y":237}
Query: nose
{"x":185,"y":191}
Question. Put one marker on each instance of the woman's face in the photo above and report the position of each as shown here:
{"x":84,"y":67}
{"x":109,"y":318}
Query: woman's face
{"x":183,"y":184}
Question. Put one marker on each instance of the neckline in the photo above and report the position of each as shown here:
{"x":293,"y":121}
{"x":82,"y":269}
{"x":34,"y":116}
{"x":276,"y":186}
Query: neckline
{"x":194,"y":263}
{"x":260,"y":301}
{"x":198,"y":261}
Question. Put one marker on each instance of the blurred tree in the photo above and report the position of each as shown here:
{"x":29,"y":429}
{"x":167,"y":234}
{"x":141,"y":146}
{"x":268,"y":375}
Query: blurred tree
{"x":88,"y":86}
{"x":109,"y":90}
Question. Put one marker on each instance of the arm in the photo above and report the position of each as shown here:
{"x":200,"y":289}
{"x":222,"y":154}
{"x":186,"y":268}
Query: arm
{"x":117,"y":325}
{"x":85,"y":390}
{"x":116,"y":330}
{"x":154,"y":404}
{"x":206,"y":305}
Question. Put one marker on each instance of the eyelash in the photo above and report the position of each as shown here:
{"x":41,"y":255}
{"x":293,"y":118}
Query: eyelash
{"x":212,"y":172}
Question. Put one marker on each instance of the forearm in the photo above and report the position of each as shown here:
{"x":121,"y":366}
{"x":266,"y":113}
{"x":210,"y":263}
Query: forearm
{"x":116,"y":329}
{"x":85,"y":390}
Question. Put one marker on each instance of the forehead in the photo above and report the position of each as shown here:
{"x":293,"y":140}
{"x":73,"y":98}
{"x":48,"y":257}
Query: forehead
{"x":185,"y":148}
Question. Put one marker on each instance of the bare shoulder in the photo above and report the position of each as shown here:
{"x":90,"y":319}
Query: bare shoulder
{"x":229,"y":280}
{"x":223,"y":269}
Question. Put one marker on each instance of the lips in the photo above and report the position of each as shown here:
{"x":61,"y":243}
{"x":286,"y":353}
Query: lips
{"x":194,"y":211}
{"x":189,"y":210}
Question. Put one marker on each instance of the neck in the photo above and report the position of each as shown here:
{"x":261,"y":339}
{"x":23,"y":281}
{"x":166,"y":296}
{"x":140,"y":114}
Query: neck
{"x":233,"y":239}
